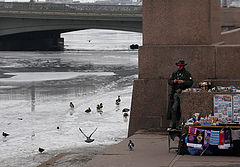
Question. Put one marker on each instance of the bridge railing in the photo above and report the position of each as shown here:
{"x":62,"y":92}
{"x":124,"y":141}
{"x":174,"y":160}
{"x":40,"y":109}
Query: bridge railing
{"x":76,"y":8}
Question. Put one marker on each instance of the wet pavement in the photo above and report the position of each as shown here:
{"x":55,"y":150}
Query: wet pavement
{"x":151,"y":150}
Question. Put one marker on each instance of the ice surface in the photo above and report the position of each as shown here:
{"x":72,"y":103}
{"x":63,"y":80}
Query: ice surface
{"x":45,"y":76}
{"x":35,"y":101}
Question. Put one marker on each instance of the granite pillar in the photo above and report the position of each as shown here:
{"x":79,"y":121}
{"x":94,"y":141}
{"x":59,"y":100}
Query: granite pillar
{"x":172,"y":30}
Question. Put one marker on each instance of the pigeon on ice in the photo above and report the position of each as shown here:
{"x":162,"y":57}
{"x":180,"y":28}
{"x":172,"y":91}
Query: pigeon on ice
{"x":5,"y":134}
{"x":88,"y":140}
{"x":118,"y":100}
{"x":88,"y":110}
{"x":71,"y":105}
{"x":125,"y":110}
{"x":40,"y":149}
{"x":130,"y":145}
{"x":101,"y":105}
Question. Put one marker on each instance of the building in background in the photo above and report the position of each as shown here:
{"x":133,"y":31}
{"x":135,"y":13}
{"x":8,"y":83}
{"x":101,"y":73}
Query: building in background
{"x":118,"y":2}
{"x":230,"y":3}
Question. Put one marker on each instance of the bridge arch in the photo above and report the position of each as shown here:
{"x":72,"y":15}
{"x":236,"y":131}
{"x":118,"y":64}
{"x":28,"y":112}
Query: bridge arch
{"x":27,"y":25}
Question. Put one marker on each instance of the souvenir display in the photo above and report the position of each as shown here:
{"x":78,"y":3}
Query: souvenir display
{"x":207,"y":134}
{"x":214,"y":138}
{"x":236,"y":108}
{"x":207,"y":86}
{"x":227,"y":107}
{"x":200,"y":140}
{"x":219,"y":130}
{"x":223,"y":107}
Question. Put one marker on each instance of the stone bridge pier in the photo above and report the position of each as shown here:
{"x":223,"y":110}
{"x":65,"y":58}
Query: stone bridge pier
{"x":173,"y":30}
{"x":32,"y":41}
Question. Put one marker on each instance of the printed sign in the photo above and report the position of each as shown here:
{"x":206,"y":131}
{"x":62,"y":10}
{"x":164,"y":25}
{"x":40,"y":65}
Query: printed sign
{"x":223,"y":107}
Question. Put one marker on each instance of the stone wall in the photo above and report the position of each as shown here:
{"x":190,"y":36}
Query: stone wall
{"x":173,"y":30}
{"x":231,"y":37}
{"x":201,"y":102}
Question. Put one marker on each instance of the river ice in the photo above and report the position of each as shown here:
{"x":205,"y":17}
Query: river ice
{"x":34,"y":99}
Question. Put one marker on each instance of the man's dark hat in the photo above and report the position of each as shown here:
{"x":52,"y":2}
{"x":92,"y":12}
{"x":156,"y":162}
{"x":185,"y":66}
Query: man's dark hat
{"x":181,"y":63}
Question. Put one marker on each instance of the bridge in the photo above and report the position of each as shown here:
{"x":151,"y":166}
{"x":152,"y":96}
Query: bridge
{"x":37,"y":26}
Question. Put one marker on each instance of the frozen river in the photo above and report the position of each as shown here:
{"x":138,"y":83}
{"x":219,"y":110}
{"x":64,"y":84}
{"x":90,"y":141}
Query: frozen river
{"x":37,"y":87}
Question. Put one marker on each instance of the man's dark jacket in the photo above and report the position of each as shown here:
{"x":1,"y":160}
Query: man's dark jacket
{"x":184,"y":75}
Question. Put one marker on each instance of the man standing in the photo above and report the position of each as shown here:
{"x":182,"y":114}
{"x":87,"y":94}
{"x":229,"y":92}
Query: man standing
{"x":179,"y":80}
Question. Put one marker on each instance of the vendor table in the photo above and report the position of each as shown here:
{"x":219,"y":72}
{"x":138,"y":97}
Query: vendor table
{"x":214,"y":127}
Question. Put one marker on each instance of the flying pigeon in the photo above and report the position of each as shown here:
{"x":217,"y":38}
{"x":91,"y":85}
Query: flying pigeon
{"x":130,"y":145}
{"x":5,"y":134}
{"x":88,"y":140}
{"x":40,"y":149}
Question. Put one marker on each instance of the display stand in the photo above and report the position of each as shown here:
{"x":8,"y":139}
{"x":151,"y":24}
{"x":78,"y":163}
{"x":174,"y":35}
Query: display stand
{"x":213,"y":127}
{"x":235,"y":144}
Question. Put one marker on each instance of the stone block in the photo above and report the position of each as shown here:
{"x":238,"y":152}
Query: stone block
{"x":192,"y":102}
{"x":149,"y":105}
{"x":181,"y":22}
{"x":231,"y":37}
{"x":202,"y":102}
{"x":225,"y":82}
{"x":228,"y":62}
{"x":159,"y":61}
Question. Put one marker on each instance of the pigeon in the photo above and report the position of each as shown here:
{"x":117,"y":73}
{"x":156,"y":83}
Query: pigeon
{"x":71,"y":105}
{"x":118,"y":100}
{"x":88,"y":140}
{"x":130,"y":145}
{"x":98,"y":108}
{"x":33,"y":134}
{"x":101,"y":105}
{"x":125,"y":114}
{"x":125,"y":110}
{"x":40,"y":149}
{"x":88,"y":110}
{"x":5,"y":134}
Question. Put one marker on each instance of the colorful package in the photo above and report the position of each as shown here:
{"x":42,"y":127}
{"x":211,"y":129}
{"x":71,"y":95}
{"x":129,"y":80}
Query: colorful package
{"x":235,"y":134}
{"x":192,"y":131}
{"x":200,"y":136}
{"x":194,"y":151}
{"x":207,"y":135}
{"x":221,"y":137}
{"x":191,"y":139}
{"x":227,"y":137}
{"x":214,"y":138}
